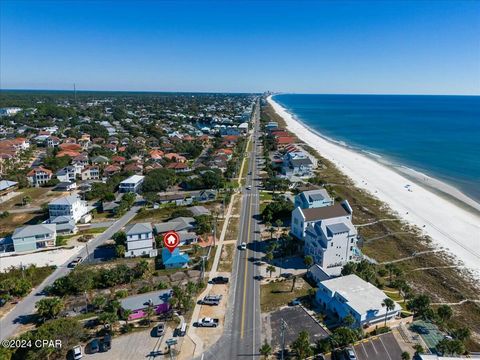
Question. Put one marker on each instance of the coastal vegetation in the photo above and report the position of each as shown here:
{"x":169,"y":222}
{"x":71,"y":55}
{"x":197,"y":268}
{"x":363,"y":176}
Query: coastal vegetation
{"x":429,"y":271}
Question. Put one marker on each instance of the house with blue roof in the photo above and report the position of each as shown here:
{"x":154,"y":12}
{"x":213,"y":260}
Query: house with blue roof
{"x":174,"y":259}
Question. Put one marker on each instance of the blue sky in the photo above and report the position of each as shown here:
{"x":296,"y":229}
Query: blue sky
{"x":406,"y":47}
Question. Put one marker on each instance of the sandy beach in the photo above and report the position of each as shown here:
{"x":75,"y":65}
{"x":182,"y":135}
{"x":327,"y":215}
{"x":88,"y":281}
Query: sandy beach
{"x":451,"y":226}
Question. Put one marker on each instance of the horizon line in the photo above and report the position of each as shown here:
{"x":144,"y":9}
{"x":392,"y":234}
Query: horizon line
{"x":230,"y":92}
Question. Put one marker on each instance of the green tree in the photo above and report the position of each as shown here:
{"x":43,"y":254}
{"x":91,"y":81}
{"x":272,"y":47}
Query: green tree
{"x":389,"y":305}
{"x":301,"y":346}
{"x":271,"y":269}
{"x":444,"y":313}
{"x":48,"y":308}
{"x":120,"y":251}
{"x":99,"y":302}
{"x":108,"y":318}
{"x":419,"y":304}
{"x":451,"y":347}
{"x":265,"y":350}
{"x":348,"y":320}
{"x":308,"y":260}
{"x":343,"y":336}
{"x":126,"y":315}
{"x":405,"y":356}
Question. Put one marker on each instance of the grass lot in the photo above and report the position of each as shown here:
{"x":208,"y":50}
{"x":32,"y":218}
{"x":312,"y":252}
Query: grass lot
{"x":8,"y":224}
{"x":39,"y":196}
{"x":277,"y":294}
{"x":226,"y":259}
{"x":156,"y":215}
{"x":265,"y":196}
{"x":401,"y":240}
{"x":232,"y":229}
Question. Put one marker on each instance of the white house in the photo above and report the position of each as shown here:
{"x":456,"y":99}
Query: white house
{"x":313,"y":199}
{"x":34,"y":237}
{"x":132,"y":184}
{"x":351,"y":295}
{"x":39,"y":176}
{"x":301,"y":218}
{"x":67,"y":174}
{"x":140,"y":240}
{"x":71,"y":206}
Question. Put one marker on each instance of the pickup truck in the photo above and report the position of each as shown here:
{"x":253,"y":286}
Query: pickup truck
{"x":207,"y":322}
{"x":211,"y":300}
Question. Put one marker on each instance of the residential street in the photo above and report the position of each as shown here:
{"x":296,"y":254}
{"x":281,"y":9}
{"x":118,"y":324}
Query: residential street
{"x":26,"y":307}
{"x":242,"y":335}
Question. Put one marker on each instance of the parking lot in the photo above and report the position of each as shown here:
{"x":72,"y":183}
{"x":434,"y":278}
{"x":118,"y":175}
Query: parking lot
{"x":383,"y":347}
{"x":297,"y":320}
{"x":136,"y":345}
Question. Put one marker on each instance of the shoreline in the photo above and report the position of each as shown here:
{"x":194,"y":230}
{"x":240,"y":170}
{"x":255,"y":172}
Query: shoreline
{"x":436,"y":208}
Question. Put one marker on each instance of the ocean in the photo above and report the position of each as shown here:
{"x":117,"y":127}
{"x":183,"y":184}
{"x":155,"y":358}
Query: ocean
{"x":436,"y":135}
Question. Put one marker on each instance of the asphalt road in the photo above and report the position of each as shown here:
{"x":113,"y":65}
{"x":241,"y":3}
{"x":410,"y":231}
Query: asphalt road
{"x":242,"y":332}
{"x":26,"y":307}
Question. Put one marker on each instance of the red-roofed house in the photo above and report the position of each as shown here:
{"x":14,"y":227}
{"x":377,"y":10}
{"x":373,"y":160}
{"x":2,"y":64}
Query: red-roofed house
{"x":156,"y":154}
{"x":175,"y":157}
{"x":119,"y":159}
{"x":39,"y":176}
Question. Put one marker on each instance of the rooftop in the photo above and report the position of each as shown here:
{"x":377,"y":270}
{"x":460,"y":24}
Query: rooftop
{"x":326,"y":212}
{"x":138,"y":228}
{"x":32,"y":230}
{"x":142,"y":301}
{"x":133,"y":179}
{"x":360,"y":295}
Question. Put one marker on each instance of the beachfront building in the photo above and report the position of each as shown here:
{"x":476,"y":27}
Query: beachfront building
{"x":328,"y":234}
{"x":132,"y":184}
{"x":351,"y":295}
{"x":67,"y":174}
{"x":313,"y":199}
{"x":297,"y":163}
{"x":140,"y":240}
{"x":70,"y":206}
{"x":34,"y":237}
{"x":138,"y":304}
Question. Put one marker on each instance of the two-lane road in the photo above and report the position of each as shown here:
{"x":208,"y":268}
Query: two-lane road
{"x":241,"y":337}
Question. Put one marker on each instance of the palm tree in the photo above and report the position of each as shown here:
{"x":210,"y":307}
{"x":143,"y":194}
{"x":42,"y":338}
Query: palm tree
{"x":49,"y":308}
{"x":149,"y":313}
{"x":126,"y":315}
{"x":265,"y":350}
{"x":271,"y":269}
{"x":294,"y":280}
{"x":279,"y":223}
{"x":268,"y":225}
{"x":308,"y":260}
{"x":389,"y":305}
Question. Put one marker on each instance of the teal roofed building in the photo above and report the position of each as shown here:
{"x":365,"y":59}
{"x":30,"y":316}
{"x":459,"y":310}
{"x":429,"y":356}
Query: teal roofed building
{"x":174,"y":259}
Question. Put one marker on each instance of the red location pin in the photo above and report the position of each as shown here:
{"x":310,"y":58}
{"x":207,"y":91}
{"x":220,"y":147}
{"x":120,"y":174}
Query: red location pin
{"x":171,"y":240}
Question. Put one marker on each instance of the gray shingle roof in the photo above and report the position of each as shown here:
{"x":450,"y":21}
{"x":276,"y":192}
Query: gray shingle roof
{"x":138,"y":228}
{"x":141,"y":301}
{"x":338,"y":228}
{"x":67,"y":200}
{"x":32,"y":230}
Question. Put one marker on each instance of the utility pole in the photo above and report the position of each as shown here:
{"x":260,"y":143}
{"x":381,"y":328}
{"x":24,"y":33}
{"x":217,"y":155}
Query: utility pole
{"x":283,"y":327}
{"x":75,"y":92}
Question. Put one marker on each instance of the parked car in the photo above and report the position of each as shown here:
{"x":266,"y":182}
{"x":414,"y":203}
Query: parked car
{"x":159,"y":329}
{"x":220,"y":280}
{"x":106,"y":343}
{"x":75,"y":262}
{"x":294,"y":302}
{"x":94,"y":346}
{"x":77,"y":352}
{"x":350,"y":354}
{"x":207,"y":322}
{"x":211,"y":300}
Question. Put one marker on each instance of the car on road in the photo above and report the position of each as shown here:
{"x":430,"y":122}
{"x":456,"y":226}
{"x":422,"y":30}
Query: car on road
{"x":77,"y":352}
{"x":106,"y":343}
{"x":159,"y":330}
{"x":211,"y":300}
{"x":350,"y":354}
{"x":207,"y":322}
{"x":94,"y":346}
{"x":243,"y":246}
{"x":220,"y":280}
{"x":249,"y":187}
{"x":75,"y":262}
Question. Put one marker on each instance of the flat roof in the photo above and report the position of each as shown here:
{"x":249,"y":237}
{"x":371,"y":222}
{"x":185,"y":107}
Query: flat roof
{"x":326,"y":212}
{"x":361,"y":296}
{"x":141,"y":301}
{"x":133,"y":179}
